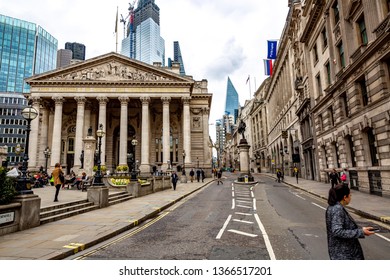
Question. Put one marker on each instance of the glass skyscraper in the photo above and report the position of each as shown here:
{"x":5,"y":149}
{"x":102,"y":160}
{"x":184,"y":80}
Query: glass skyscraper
{"x":143,"y":34}
{"x":177,"y":58}
{"x":26,"y":49}
{"x":232,"y":103}
{"x":78,"y":50}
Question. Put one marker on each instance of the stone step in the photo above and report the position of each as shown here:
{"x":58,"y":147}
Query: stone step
{"x":66,"y":208}
{"x":68,"y":214}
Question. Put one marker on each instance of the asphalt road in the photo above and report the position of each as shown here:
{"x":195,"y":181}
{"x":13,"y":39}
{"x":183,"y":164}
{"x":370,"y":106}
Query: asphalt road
{"x":235,"y":222}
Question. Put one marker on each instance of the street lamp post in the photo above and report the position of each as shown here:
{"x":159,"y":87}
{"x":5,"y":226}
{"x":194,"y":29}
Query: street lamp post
{"x":282,"y":154}
{"x":134,"y":142}
{"x":24,"y":185}
{"x":47,"y":154}
{"x":184,"y":163}
{"x":98,"y":177}
{"x":197,"y":162}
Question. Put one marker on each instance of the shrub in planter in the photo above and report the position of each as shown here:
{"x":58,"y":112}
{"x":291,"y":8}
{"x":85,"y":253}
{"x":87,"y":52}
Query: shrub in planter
{"x":7,"y":187}
{"x":102,"y":168}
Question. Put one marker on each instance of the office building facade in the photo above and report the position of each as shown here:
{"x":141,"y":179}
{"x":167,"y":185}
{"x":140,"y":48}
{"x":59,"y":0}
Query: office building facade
{"x":78,"y":50}
{"x":232,"y":103}
{"x":143,"y":34}
{"x":25,"y":49}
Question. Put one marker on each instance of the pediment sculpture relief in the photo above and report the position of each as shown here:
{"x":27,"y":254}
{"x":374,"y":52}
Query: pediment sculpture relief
{"x":112,"y":71}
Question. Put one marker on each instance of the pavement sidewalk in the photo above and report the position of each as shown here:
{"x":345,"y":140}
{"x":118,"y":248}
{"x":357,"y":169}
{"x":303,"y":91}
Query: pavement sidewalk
{"x":63,"y":238}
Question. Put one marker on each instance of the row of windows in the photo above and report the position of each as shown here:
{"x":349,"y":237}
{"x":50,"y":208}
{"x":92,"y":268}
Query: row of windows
{"x":369,"y":142}
{"x":12,"y":140}
{"x":13,"y":100}
{"x":9,"y":112}
{"x":4,"y":130}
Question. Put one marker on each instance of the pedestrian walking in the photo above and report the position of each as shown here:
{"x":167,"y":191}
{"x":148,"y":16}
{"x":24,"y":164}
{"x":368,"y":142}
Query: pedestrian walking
{"x":342,"y":231}
{"x":202,"y":174}
{"x":296,"y":173}
{"x":219,"y":177}
{"x":198,"y":175}
{"x":278,"y":175}
{"x":56,"y":177}
{"x":175,"y":178}
{"x":345,"y":177}
{"x":334,"y":178}
{"x":192,"y":173}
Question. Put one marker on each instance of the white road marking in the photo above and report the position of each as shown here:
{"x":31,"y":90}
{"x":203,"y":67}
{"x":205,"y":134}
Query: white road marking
{"x":254,"y":204}
{"x":241,"y":221}
{"x":244,"y":201}
{"x":252,"y":194}
{"x":242,"y":233}
{"x":266,"y":239}
{"x":244,"y":214}
{"x":319,"y":206}
{"x":233,"y":203}
{"x":300,"y":197}
{"x":244,"y":206}
{"x":381,"y":236}
{"x":224,"y":227}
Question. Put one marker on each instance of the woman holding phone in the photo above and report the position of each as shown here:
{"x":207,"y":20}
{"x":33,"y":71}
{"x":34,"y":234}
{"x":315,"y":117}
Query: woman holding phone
{"x":343,"y":232}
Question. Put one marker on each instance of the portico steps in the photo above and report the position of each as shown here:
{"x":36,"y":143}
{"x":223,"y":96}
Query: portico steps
{"x":61,"y":211}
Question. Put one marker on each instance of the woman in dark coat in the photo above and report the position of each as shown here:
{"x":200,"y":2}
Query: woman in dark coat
{"x":342,"y":230}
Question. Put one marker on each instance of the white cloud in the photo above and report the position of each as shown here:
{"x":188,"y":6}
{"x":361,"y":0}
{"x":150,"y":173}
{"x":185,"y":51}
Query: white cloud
{"x":217,"y":38}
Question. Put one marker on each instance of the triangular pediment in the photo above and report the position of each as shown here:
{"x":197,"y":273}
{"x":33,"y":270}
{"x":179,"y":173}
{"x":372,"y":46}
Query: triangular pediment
{"x":111,"y":68}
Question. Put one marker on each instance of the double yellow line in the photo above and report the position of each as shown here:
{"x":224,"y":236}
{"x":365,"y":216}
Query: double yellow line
{"x":126,"y":236}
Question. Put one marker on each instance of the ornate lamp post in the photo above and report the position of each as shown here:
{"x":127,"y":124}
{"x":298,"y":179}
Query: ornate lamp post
{"x":23,"y":183}
{"x":98,"y":177}
{"x":217,"y":148}
{"x":47,"y":154}
{"x":134,"y":142}
{"x":197,"y":162}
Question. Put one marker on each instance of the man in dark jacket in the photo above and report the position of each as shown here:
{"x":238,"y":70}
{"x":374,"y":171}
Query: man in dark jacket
{"x":175,"y":178}
{"x":334,"y":178}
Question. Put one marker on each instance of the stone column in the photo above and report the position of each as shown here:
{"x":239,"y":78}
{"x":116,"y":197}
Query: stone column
{"x":187,"y":130}
{"x":145,"y":145}
{"x":206,"y":138}
{"x":33,"y":145}
{"x":79,"y":132}
{"x":166,"y":132}
{"x":44,"y":129}
{"x":57,"y":129}
{"x":123,"y":131}
{"x":102,"y":120}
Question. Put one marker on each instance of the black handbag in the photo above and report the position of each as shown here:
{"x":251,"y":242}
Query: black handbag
{"x":62,"y":178}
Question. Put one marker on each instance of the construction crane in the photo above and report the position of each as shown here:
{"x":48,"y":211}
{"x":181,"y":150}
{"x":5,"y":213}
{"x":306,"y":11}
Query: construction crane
{"x":131,"y":16}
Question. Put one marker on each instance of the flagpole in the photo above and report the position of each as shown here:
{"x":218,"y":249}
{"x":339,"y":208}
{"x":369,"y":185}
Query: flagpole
{"x":116,"y":30}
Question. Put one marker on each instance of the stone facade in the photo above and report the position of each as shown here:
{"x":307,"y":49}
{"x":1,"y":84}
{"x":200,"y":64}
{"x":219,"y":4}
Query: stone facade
{"x":327,"y":102}
{"x":165,"y":112}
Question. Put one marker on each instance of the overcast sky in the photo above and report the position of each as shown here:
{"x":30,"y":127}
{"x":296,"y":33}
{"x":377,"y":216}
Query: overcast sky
{"x":218,"y":38}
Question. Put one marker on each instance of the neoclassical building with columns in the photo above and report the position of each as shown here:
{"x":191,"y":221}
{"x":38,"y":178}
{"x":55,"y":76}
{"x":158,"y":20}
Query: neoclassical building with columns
{"x":166,"y":113}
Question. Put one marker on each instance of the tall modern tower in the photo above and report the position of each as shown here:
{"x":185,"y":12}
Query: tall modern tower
{"x":26,"y":49}
{"x":77,"y":49}
{"x":232,"y":102}
{"x":177,"y":58}
{"x":143,"y":34}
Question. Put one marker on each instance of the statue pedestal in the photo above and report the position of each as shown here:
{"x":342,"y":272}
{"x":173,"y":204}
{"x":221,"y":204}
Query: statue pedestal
{"x":89,"y":154}
{"x":245,"y":175}
{"x":243,"y":149}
